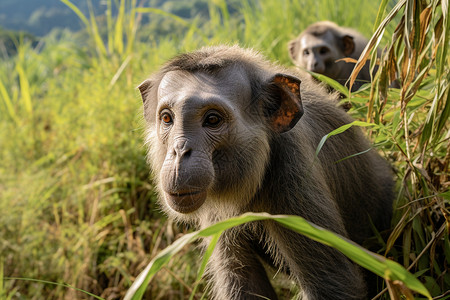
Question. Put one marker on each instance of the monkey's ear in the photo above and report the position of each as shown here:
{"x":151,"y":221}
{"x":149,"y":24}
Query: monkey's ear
{"x":348,"y":45}
{"x":286,"y":109}
{"x":144,"y":88}
{"x":293,"y":49}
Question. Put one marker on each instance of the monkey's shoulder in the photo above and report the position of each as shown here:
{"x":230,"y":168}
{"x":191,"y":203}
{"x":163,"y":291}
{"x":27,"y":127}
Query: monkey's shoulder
{"x":324,"y":108}
{"x":321,"y":117}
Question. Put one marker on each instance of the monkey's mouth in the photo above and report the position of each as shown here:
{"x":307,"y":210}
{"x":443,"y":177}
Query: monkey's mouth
{"x":185,"y":202}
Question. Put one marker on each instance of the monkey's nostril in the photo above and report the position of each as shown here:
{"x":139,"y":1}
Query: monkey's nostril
{"x":187,"y":153}
{"x":182,"y":153}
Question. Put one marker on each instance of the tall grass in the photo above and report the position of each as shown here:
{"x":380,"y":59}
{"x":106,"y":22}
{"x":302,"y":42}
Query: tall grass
{"x":416,"y":135}
{"x":78,"y":207}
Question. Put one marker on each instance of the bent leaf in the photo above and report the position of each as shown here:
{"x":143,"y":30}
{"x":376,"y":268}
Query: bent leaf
{"x":341,"y":130}
{"x":381,"y":266}
{"x":331,"y":82}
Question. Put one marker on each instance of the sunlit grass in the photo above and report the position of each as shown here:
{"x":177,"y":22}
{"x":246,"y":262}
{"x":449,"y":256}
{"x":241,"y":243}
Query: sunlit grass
{"x":78,"y":207}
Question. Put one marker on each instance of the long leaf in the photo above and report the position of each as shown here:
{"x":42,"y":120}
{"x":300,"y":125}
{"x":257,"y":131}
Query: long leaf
{"x":118,"y":32}
{"x":443,"y":119}
{"x":1,"y":275}
{"x":331,"y":82}
{"x":381,"y":266}
{"x":162,"y":13}
{"x":77,"y":11}
{"x":374,"y":41}
{"x":92,"y":26}
{"x":132,"y":28}
{"x":55,"y":283}
{"x":137,"y":289}
{"x":95,"y":32}
{"x":380,"y":14}
{"x":25,"y":90}
{"x":341,"y":130}
{"x":109,"y":24}
{"x":206,"y":256}
{"x":8,"y":103}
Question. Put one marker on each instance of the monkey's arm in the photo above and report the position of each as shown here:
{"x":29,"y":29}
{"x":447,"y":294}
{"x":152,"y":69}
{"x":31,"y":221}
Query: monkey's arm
{"x":321,"y":271}
{"x":236,"y":271}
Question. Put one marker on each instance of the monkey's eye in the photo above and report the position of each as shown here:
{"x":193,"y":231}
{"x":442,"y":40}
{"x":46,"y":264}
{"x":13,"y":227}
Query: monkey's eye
{"x":306,"y":52}
{"x":212,"y":120}
{"x":324,"y":50}
{"x":166,"y":118}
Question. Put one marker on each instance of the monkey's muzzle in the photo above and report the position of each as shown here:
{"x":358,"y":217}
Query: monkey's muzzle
{"x":185,"y":202}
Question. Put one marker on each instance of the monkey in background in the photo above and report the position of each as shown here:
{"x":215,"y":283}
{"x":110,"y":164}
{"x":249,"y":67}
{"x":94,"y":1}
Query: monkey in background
{"x":229,"y":132}
{"x":319,"y":46}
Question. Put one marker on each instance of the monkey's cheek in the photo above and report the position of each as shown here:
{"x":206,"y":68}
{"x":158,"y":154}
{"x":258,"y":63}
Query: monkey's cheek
{"x":185,"y":203}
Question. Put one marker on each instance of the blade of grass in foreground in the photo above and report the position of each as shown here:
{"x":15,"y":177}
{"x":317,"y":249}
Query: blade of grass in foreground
{"x":378,"y":264}
{"x":54,"y":283}
{"x":206,"y":256}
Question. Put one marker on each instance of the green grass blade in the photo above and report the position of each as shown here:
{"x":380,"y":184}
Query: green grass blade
{"x":378,"y":264}
{"x":109,"y":24}
{"x":119,"y":71}
{"x":77,"y":12}
{"x":427,"y":133}
{"x":341,"y":130}
{"x":92,"y":25}
{"x":55,"y":283}
{"x":132,"y":28}
{"x":137,"y":289}
{"x":1,"y":276}
{"x":445,"y":114}
{"x":162,"y":13}
{"x":25,"y":90}
{"x":206,"y":257}
{"x":8,"y":103}
{"x":380,"y":14}
{"x":375,"y":40}
{"x":118,"y":31}
{"x":331,"y":82}
{"x":222,"y":4}
{"x":353,"y":155}
{"x":95,"y":32}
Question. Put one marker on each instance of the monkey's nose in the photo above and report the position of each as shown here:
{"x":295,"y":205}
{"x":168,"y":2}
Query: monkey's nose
{"x":183,"y":153}
{"x":318,"y":68}
{"x":181,"y":149}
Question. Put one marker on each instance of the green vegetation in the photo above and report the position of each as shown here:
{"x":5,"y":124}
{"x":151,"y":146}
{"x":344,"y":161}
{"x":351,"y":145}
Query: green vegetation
{"x":10,"y":39}
{"x":78,"y":209}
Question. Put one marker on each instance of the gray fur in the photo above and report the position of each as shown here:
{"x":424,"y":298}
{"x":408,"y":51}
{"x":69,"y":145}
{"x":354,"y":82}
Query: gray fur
{"x":257,"y":160}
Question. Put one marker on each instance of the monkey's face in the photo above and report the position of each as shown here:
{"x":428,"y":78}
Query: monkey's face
{"x":208,"y":149}
{"x":318,"y":54}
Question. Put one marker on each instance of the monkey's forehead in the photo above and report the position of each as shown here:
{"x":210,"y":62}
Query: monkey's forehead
{"x":312,"y":41}
{"x":229,"y":83}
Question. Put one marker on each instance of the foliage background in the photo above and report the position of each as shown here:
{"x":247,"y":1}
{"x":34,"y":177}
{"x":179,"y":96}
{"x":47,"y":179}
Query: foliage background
{"x":77,"y":204}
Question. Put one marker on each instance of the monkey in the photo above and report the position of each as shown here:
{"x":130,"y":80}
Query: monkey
{"x":321,"y":44}
{"x":229,"y":132}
